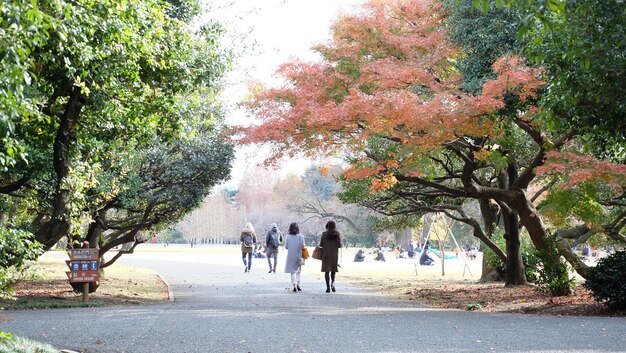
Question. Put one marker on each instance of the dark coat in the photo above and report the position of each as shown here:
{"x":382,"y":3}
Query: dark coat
{"x":330,"y":251}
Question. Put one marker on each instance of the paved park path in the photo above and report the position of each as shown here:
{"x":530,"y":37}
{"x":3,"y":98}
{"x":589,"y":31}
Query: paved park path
{"x":219,"y":308}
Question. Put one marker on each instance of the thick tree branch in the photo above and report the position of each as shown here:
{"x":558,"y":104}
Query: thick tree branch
{"x":7,"y":189}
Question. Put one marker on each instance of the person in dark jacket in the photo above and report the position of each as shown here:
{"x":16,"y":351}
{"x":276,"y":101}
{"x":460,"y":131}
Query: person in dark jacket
{"x":272,"y":242}
{"x":359,"y":256}
{"x":425,"y":259}
{"x":330,"y":244}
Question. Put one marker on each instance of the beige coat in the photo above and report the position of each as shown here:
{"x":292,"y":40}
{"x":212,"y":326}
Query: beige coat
{"x":244,"y":248}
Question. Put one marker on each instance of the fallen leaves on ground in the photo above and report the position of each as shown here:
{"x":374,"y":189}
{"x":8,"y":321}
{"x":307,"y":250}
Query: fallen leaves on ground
{"x":493,"y":297}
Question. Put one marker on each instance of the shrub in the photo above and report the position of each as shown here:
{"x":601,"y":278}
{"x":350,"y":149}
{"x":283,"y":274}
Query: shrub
{"x":14,"y":344}
{"x":16,"y":248}
{"x":607,"y":281}
{"x":544,"y":268}
{"x":529,"y":257}
{"x":553,"y":272}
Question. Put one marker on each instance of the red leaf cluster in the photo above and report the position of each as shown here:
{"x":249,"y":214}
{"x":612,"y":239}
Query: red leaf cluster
{"x":577,"y":169}
{"x":388,"y":72}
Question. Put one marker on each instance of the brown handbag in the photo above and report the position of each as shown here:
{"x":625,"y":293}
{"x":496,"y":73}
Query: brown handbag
{"x":317,"y":253}
{"x":305,"y":253}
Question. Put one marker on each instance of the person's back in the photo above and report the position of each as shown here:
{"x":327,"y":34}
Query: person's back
{"x":272,"y":242}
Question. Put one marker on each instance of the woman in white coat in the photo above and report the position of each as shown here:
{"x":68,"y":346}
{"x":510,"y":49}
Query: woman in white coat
{"x":294,"y":243}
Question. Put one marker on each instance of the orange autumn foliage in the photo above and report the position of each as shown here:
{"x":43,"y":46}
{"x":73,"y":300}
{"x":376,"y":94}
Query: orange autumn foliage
{"x":387,"y":72}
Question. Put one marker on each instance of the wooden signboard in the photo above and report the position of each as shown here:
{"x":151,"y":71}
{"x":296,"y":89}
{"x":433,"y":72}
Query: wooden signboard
{"x":84,"y":265}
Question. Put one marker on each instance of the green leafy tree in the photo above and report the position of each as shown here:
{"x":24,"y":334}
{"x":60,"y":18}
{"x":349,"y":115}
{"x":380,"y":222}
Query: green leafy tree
{"x":107,"y":90}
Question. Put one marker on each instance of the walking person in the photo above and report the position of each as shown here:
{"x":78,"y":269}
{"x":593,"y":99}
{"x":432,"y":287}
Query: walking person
{"x":330,"y":244}
{"x":248,"y":239}
{"x":294,"y":242}
{"x":272,"y":242}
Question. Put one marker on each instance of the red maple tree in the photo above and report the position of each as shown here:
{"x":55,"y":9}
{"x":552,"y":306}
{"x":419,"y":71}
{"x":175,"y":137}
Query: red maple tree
{"x":387,"y":95}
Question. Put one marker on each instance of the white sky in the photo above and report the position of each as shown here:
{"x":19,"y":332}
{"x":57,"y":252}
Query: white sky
{"x":278,"y":30}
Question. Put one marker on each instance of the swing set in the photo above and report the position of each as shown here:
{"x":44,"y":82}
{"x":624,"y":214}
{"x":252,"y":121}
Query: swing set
{"x":442,"y":240}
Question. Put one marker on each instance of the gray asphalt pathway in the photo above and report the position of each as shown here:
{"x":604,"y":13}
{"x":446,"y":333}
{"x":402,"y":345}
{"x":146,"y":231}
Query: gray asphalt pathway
{"x":218,"y":308}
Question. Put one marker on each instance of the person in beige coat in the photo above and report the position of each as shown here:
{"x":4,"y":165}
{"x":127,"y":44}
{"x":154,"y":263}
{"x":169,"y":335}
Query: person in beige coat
{"x":248,"y":240}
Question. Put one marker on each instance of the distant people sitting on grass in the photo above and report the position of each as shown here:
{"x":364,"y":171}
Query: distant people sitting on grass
{"x":425,"y":259}
{"x":379,"y":256}
{"x":359,"y":256}
{"x":585,"y":251}
{"x":259,"y":251}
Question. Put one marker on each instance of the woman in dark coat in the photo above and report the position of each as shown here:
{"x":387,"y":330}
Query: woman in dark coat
{"x":330,"y":244}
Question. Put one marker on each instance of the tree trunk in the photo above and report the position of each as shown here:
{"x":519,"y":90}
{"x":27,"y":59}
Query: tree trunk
{"x":489,"y":212}
{"x":515,"y":274}
{"x":403,"y":238}
{"x":59,"y":224}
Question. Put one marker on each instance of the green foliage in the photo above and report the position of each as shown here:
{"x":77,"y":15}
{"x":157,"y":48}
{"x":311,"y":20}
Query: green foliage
{"x":23,"y":28}
{"x":582,"y":45}
{"x":553,"y":272}
{"x":530,"y":258}
{"x":14,"y":344}
{"x":539,"y":266}
{"x":38,"y":304}
{"x":16,"y":248}
{"x":581,"y":202}
{"x":147,"y":82}
{"x":473,"y":306}
{"x":484,"y":37}
{"x":607,"y":281}
{"x":584,"y":51}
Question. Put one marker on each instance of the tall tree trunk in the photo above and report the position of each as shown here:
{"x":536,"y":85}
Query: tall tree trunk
{"x":515,"y":274}
{"x":59,"y":224}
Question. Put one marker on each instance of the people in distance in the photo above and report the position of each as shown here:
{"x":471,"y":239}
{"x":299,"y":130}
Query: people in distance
{"x":330,"y":243}
{"x":248,"y":240}
{"x":359,"y":256}
{"x":379,"y":256}
{"x":272,"y":242}
{"x":425,"y":259}
{"x":294,"y":242}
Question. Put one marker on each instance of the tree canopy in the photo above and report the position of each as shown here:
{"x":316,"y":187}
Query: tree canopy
{"x":112,"y":123}
{"x":389,"y":96}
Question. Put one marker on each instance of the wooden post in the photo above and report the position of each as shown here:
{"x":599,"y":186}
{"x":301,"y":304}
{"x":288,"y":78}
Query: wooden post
{"x":85,"y":292}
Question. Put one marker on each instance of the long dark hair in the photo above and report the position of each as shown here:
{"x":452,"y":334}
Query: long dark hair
{"x":331,"y":230}
{"x":293,"y":228}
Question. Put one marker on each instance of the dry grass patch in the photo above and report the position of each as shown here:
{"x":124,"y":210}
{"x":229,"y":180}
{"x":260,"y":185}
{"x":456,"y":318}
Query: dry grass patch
{"x":487,"y":297}
{"x":119,"y":285}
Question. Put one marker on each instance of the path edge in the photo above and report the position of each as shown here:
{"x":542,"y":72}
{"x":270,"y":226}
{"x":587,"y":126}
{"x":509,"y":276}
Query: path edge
{"x":170,"y":293}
